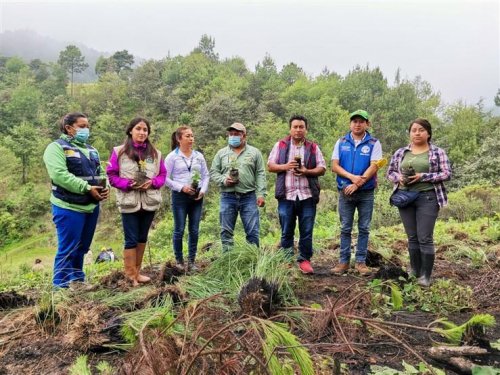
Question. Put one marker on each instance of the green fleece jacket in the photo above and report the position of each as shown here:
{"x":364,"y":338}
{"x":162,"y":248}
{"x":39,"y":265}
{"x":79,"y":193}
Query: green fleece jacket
{"x":55,"y":162}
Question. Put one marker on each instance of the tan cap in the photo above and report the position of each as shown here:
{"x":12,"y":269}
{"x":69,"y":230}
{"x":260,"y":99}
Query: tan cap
{"x":237,"y":126}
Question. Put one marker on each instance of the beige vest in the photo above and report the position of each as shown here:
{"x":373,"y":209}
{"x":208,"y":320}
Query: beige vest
{"x":134,"y":200}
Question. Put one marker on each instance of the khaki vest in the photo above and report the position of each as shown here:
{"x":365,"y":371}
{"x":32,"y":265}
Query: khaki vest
{"x":134,"y":200}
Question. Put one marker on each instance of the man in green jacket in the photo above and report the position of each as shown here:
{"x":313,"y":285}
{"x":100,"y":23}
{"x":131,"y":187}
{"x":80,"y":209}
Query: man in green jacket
{"x":242,"y":191}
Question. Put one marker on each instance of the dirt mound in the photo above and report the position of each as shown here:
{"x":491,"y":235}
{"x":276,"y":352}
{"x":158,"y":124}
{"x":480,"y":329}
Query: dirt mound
{"x":374,"y":259}
{"x":170,"y":273}
{"x":12,"y":300}
{"x":258,"y":298}
{"x":391,"y":273}
{"x":116,"y":280}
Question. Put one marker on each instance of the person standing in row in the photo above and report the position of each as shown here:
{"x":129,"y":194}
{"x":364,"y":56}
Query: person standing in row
{"x":298,"y":164}
{"x":238,"y":170}
{"x":187,"y":177}
{"x":136,"y":170}
{"x":354,"y":160}
{"x":74,"y":168}
{"x":421,"y":167}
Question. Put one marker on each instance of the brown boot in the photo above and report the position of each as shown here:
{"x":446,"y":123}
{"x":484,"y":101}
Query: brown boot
{"x":138,"y":263}
{"x":340,"y":269}
{"x":129,"y":261}
{"x":363,"y":269}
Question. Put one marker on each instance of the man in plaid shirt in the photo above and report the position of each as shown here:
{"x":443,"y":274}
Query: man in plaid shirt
{"x":298,"y":163}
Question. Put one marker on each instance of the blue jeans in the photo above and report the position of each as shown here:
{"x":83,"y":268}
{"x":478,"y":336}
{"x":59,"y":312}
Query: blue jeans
{"x":183,"y":206}
{"x":246,"y":205}
{"x":418,"y":220}
{"x":136,"y":227}
{"x":75,"y":231}
{"x":362,"y":201}
{"x":305,"y":211}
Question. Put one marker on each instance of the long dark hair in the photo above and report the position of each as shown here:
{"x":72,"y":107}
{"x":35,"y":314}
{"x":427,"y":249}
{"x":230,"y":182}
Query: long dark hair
{"x":177,"y":134}
{"x":70,"y":119}
{"x":128,"y":146}
{"x":423,"y":123}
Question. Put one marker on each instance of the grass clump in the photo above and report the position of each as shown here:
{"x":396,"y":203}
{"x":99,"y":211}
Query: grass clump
{"x":153,"y":317}
{"x":277,"y":335}
{"x":234,"y":268}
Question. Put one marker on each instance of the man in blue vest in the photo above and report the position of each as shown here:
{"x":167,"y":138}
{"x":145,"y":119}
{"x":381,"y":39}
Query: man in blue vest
{"x":298,"y":163}
{"x":354,"y":161}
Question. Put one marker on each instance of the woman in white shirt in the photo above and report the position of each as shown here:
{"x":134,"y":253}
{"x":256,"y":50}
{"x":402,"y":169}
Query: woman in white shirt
{"x":187,"y":177}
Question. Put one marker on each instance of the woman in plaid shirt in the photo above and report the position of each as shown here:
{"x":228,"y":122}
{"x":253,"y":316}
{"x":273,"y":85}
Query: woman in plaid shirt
{"x":422,"y":167}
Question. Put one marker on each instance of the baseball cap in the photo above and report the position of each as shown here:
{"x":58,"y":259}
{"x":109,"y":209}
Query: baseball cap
{"x":360,"y":113}
{"x":237,"y":126}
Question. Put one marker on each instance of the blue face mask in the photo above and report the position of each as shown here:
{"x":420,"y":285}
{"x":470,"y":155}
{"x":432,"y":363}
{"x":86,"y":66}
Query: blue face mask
{"x":234,"y":140}
{"x":82,"y":135}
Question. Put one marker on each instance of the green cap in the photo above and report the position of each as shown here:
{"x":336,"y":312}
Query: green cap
{"x":360,"y":113}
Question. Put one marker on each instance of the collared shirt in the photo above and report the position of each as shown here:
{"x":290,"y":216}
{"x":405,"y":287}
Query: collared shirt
{"x":252,"y":174}
{"x":439,"y":170}
{"x":180,"y":169}
{"x":296,"y":186}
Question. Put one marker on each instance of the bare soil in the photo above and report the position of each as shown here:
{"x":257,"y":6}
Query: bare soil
{"x":29,"y":347}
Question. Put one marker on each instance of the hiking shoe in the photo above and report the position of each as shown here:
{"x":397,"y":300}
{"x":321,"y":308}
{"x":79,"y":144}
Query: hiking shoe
{"x":305,"y":267}
{"x":363,"y":269}
{"x":340,"y":269}
{"x":192,"y":267}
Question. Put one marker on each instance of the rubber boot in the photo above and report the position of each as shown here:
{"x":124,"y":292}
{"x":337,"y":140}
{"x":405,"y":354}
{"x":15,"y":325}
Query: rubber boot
{"x":138,"y":263}
{"x":426,"y":269}
{"x":129,"y":261}
{"x":415,"y":262}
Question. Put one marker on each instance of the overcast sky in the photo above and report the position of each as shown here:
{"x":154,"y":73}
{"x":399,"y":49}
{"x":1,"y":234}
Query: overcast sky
{"x":452,"y":44}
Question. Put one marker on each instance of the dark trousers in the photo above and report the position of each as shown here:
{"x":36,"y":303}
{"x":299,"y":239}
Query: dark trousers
{"x":136,"y":227}
{"x":183,"y":207}
{"x":305,"y":211}
{"x":232,"y":203}
{"x":419,"y":219}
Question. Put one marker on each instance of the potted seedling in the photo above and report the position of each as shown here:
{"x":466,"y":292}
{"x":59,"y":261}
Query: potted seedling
{"x":407,"y":173}
{"x":298,"y":160}
{"x":140,"y":175}
{"x":233,"y":171}
{"x":195,"y":184}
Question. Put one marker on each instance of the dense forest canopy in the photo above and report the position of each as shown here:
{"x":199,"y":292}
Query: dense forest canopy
{"x":209,"y":93}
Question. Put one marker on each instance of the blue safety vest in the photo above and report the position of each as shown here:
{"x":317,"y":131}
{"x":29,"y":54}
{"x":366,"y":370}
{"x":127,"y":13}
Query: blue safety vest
{"x":88,"y":169}
{"x":356,"y":160}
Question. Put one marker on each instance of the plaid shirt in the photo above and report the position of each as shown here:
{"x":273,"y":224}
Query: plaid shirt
{"x":296,"y":186}
{"x":439,"y":170}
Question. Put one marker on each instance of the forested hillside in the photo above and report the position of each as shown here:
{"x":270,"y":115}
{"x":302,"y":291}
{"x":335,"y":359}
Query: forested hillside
{"x":209,"y":93}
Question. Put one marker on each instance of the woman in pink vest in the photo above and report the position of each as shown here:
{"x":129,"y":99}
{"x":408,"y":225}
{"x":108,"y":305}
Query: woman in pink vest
{"x":136,"y":171}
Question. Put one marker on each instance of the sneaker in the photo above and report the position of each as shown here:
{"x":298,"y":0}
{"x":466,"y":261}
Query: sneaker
{"x":305,"y":267}
{"x":192,"y":267}
{"x":340,"y":269}
{"x":363,"y":269}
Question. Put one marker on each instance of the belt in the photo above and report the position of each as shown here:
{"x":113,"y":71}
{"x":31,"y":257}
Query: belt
{"x":237,"y":194}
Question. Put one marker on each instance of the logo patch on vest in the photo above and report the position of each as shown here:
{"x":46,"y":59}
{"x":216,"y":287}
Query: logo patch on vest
{"x":71,"y":153}
{"x":365,"y":150}
{"x":345,"y":148}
